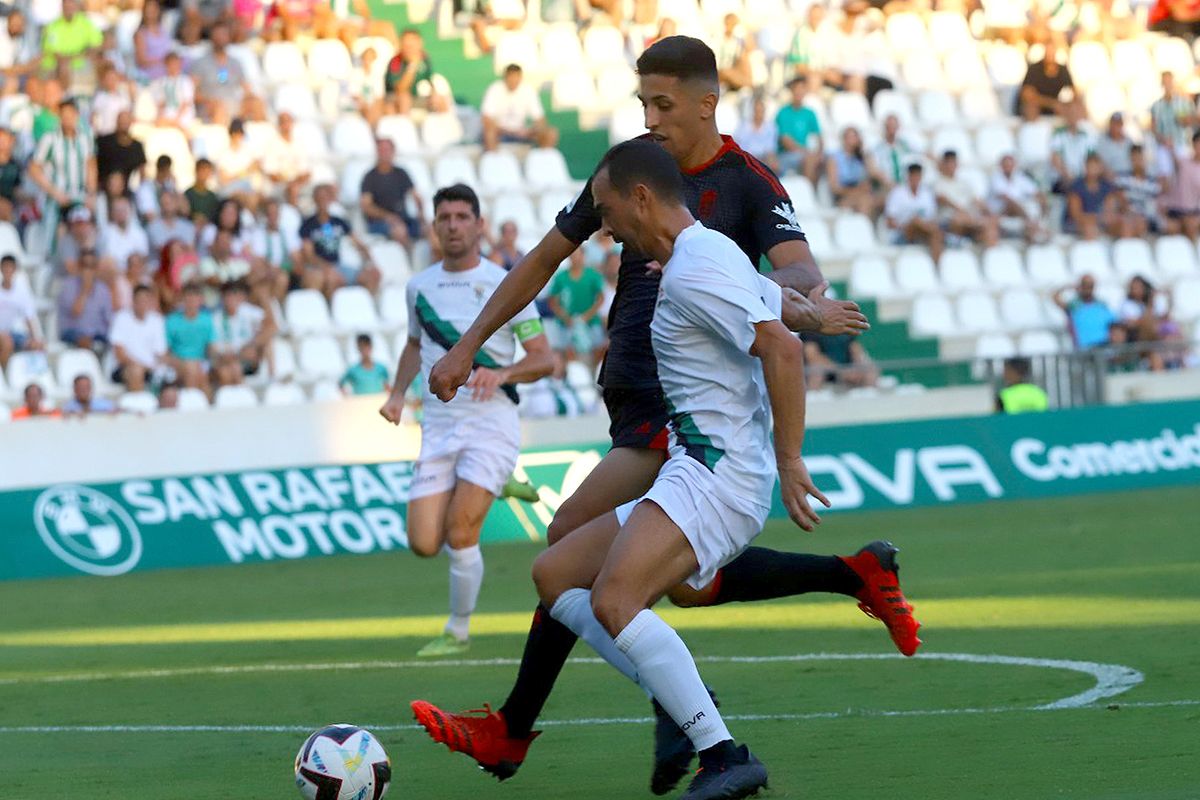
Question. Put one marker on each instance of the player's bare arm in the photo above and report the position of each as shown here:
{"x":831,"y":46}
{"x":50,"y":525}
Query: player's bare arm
{"x":782,"y":357}
{"x":793,"y":267}
{"x":406,"y":372}
{"x":537,"y":364}
{"x":515,"y":292}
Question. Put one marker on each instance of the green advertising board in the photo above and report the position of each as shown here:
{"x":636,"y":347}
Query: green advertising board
{"x":259,"y":515}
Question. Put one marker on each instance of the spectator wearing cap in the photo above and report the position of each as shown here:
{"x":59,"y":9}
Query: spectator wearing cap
{"x":799,"y":135}
{"x":911,"y":212}
{"x":848,"y":176}
{"x":960,"y":211}
{"x":321,"y":236}
{"x":146,"y":196}
{"x":367,"y":376}
{"x":84,"y":401}
{"x":85,"y":305}
{"x":410,"y":80}
{"x":1016,"y":200}
{"x":286,"y":161}
{"x":892,"y":154}
{"x":1173,"y":116}
{"x":35,"y":405}
{"x":1069,"y":146}
{"x":242,"y":335}
{"x":1143,"y":192}
{"x":1183,"y":198}
{"x":1096,"y":207}
{"x":189,"y":334}
{"x":71,"y":39}
{"x":1044,"y":85}
{"x":64,"y":166}
{"x":174,"y":95}
{"x":138,"y":338}
{"x":386,"y":194}
{"x":122,"y":235}
{"x":202,"y":202}
{"x":1113,"y":147}
{"x":512,"y":112}
{"x":1089,"y":317}
{"x":222,"y":91}
{"x":19,"y":328}
{"x":758,"y":135}
{"x":110,"y":100}
{"x":11,"y":176}
{"x":733,"y":55}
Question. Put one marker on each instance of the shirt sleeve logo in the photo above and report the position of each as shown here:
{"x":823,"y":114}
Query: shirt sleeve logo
{"x":788,"y":215}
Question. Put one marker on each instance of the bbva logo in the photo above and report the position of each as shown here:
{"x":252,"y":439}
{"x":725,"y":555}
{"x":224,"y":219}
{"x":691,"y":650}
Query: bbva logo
{"x":944,"y":469}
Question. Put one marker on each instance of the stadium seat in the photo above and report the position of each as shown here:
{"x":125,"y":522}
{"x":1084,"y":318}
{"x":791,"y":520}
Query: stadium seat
{"x":550,"y":204}
{"x":10,"y":244}
{"x":518,"y":208}
{"x":1130,"y":60}
{"x":1021,"y":309}
{"x":729,"y":115}
{"x":297,"y":99}
{"x":78,"y":361}
{"x":310,"y":136}
{"x":820,"y":241}
{"x":627,"y":122}
{"x":993,"y":141}
{"x":890,"y":101}
{"x":603,"y":47}
{"x":499,"y":172}
{"x":328,"y":60}
{"x":952,"y":137}
{"x":850,"y":108}
{"x":440,"y":131}
{"x":935,"y":108}
{"x":1172,"y":54}
{"x":948,"y":31}
{"x":350,"y":186}
{"x":1089,"y":61}
{"x":142,"y":403}
{"x":284,"y":394}
{"x":980,"y":106}
{"x":325,"y":392}
{"x":352,"y":138}
{"x":320,"y":357}
{"x":454,"y":167}
{"x":170,"y":142}
{"x":283,"y":360}
{"x":306,"y":312}
{"x":618,"y":87}
{"x":854,"y":233}
{"x":515,"y":47}
{"x":959,"y":270}
{"x":1187,"y":300}
{"x":1002,"y":267}
{"x":921,"y":69}
{"x":5,"y":413}
{"x":1039,"y":343}
{"x":382,"y":47}
{"x":282,"y":62}
{"x":561,"y":49}
{"x":932,"y":315}
{"x":392,"y":260}
{"x":381,"y":351}
{"x":1005,"y":64}
{"x":1104,"y":100}
{"x":30,"y":367}
{"x":573,"y":89}
{"x":1046,"y":266}
{"x":906,"y":33}
{"x":393,"y":309}
{"x":915,"y":273}
{"x":545,"y":168}
{"x":354,"y":310}
{"x":995,"y":346}
{"x":871,"y":277}
{"x":802,"y":194}
{"x":235,"y":397}
{"x":1175,"y":256}
{"x":1033,"y":143}
{"x":1132,"y":257}
{"x":402,"y":132}
{"x":418,"y":169}
{"x":210,"y":141}
{"x":964,"y":72}
{"x":1090,"y":258}
{"x":977,"y":312}
{"x":192,"y":400}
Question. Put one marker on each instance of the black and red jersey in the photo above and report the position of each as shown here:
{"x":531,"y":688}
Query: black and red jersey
{"x":733,"y":193}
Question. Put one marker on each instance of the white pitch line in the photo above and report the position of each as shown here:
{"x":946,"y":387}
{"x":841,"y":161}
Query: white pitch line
{"x":25,"y":729}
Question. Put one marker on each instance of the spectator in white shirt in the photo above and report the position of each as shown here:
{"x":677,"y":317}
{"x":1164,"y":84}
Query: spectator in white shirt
{"x":108,"y":103}
{"x":286,"y":161}
{"x":962,"y":213}
{"x":911,"y":212}
{"x":139,"y":341}
{"x":1069,"y":146}
{"x":758,"y":135}
{"x":19,"y":329}
{"x":239,"y":167}
{"x":241,"y":335}
{"x":278,"y":247}
{"x":512,"y":112}
{"x":175,"y":95}
{"x":1015,"y":198}
{"x":122,"y":235}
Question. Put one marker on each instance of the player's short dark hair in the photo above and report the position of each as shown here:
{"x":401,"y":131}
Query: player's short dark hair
{"x":643,"y":161}
{"x":457,"y":191}
{"x":1021,"y":366}
{"x":362,"y":339}
{"x":682,"y":57}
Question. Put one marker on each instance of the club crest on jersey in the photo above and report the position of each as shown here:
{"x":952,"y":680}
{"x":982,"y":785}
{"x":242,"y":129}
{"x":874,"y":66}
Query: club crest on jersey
{"x":790,"y":223}
{"x":708,"y":202}
{"x":480,"y":291}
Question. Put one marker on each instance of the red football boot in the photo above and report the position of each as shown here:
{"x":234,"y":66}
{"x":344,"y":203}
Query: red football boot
{"x":483,"y":738}
{"x":881,"y":597}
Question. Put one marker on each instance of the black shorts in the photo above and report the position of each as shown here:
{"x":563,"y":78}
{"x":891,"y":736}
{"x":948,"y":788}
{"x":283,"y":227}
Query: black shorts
{"x":637,"y":418}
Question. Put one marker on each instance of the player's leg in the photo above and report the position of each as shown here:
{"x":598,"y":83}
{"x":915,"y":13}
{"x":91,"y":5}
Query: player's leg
{"x":468,"y":506}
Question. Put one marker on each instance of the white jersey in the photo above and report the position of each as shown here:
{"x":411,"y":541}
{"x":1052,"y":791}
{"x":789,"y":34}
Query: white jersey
{"x":441,"y":305}
{"x":709,"y":300}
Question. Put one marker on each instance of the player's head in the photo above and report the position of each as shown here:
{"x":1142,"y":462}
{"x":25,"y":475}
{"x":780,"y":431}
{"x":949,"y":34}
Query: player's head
{"x":456,"y":220}
{"x":1016,"y":370}
{"x":678,"y":88}
{"x":634,"y":182}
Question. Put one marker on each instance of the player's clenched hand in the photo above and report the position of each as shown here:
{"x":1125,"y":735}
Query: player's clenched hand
{"x":392,"y":409}
{"x":484,"y":382}
{"x":795,"y":487}
{"x":837,"y":316}
{"x":450,"y":372}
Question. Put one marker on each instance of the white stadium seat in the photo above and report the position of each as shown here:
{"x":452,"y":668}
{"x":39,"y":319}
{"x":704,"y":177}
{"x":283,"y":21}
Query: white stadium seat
{"x":627,"y":122}
{"x":906,"y":32}
{"x":993,"y":141}
{"x":1005,"y":64}
{"x":306,"y":312}
{"x":170,"y":142}
{"x":1131,"y":59}
{"x":352,"y":138}
{"x":921,"y":69}
{"x":802,"y":194}
{"x":235,"y":397}
{"x":30,"y":367}
{"x":932,"y":315}
{"x":297,"y":99}
{"x":890,"y":101}
{"x":440,"y":131}
{"x":320,"y":357}
{"x":283,"y":62}
{"x":454,"y":167}
{"x":75,"y":362}
{"x":820,"y":241}
{"x":915,"y":273}
{"x":1175,"y":256}
{"x":402,"y":131}
{"x":1090,"y":258}
{"x":1046,"y":266}
{"x":850,"y":108}
{"x":1039,"y":343}
{"x":325,"y":391}
{"x":284,"y":394}
{"x":977,"y":312}
{"x":964,"y":71}
{"x":620,"y":84}
{"x":350,"y":183}
{"x":515,"y":47}
{"x":1104,"y":100}
{"x":1033,"y":143}
{"x":310,"y":136}
{"x":392,"y":260}
{"x":328,"y":60}
{"x":210,"y":141}
{"x":354,"y":310}
{"x":1021,"y":309}
{"x":980,"y":105}
{"x":948,"y":31}
{"x":137,"y":403}
{"x":1172,"y":54}
{"x":573,"y":89}
{"x":549,"y":205}
{"x":499,"y":171}
{"x":1089,"y":61}
{"x":561,"y":49}
{"x":854,"y":233}
{"x":995,"y":346}
{"x":1002,"y":267}
{"x":959,"y":270}
{"x":952,"y":137}
{"x":545,"y":168}
{"x":192,"y":400}
{"x":1132,"y":257}
{"x":1187,"y":299}
{"x":518,"y":208}
{"x":393,"y":308}
{"x":603,"y":47}
{"x":936,"y":108}
{"x":283,"y":360}
{"x":871,"y":276}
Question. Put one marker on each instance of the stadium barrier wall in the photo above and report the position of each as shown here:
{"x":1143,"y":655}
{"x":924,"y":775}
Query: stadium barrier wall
{"x":277,"y":511}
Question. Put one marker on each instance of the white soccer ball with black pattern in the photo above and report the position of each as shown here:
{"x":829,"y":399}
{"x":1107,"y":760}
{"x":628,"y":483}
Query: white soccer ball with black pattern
{"x":342,"y":762}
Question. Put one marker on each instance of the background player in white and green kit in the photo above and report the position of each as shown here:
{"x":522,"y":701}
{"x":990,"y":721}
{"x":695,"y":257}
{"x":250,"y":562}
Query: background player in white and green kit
{"x":469,"y":445}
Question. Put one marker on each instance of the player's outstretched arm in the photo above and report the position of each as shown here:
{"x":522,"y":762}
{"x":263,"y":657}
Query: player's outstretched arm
{"x":406,"y":372}
{"x":794,"y":268}
{"x":515,"y":292}
{"x":537,"y":364}
{"x":782,"y":357}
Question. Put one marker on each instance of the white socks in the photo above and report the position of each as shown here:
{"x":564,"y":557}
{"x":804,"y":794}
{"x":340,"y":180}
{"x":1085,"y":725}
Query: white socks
{"x":574,"y":609}
{"x":466,"y":577}
{"x":667,"y":670}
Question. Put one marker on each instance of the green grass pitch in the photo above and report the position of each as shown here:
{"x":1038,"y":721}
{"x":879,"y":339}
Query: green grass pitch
{"x":1113,"y":579}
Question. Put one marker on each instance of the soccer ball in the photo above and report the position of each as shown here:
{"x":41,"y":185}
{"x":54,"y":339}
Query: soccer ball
{"x":342,"y":762}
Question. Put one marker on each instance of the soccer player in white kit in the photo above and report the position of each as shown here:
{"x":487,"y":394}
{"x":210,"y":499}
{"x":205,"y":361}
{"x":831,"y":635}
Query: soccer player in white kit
{"x":727,"y":365}
{"x":469,"y":445}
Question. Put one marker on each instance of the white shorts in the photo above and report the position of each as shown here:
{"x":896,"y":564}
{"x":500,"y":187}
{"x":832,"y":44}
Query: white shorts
{"x":717,"y":530}
{"x":481,"y":449}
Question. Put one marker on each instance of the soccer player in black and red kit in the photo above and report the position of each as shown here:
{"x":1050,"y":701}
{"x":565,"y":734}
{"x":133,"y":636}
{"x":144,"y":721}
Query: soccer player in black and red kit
{"x":732,"y":192}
